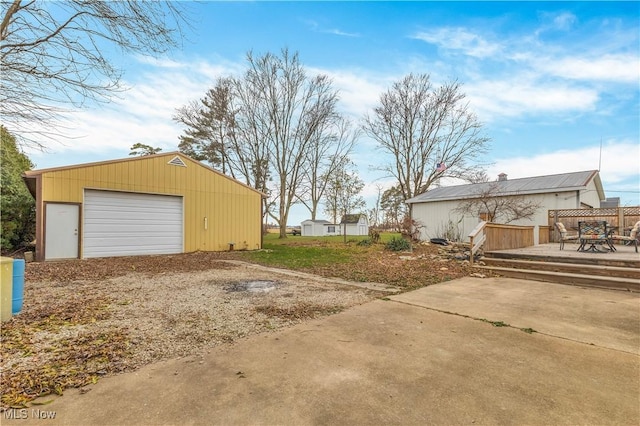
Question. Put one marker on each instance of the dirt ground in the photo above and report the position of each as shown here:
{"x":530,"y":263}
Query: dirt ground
{"x":85,"y":319}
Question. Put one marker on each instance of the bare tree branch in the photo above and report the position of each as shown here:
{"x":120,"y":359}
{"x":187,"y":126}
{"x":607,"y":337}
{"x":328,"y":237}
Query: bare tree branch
{"x":418,"y":126}
{"x":493,"y":205}
{"x":53,"y":54}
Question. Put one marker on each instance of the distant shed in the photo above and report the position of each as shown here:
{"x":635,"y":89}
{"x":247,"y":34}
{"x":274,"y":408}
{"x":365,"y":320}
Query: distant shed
{"x":158,"y":204}
{"x":319,"y":228}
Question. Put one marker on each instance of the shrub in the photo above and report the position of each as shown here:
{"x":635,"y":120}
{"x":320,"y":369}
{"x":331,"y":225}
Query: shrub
{"x":374,"y":235}
{"x":398,"y":244}
{"x":366,"y":242}
{"x":411,"y":228}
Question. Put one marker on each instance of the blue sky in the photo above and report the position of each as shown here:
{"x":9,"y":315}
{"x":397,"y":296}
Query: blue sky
{"x":551,"y":81}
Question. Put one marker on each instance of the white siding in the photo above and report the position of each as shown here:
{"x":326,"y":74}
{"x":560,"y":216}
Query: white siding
{"x":125,"y":224}
{"x":437,"y":217}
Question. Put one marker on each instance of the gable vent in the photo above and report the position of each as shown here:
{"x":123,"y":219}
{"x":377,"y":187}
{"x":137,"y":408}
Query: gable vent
{"x":177,"y":161}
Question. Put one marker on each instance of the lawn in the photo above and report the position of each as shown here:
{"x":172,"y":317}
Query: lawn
{"x":297,"y":252}
{"x":356,"y":261}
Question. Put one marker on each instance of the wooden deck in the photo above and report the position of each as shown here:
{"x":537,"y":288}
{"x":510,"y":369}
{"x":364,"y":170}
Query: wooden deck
{"x":624,"y":254}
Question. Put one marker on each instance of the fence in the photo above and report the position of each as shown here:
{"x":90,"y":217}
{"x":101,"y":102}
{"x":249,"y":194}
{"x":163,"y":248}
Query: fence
{"x":622,"y":217}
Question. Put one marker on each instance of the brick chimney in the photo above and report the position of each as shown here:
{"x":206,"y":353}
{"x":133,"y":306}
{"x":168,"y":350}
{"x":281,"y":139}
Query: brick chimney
{"x":502,"y":177}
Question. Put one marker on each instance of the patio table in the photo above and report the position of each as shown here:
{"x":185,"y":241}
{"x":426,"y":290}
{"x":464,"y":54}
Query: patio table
{"x":596,"y":234}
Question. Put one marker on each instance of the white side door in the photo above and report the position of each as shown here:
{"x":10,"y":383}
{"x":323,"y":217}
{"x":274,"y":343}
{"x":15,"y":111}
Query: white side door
{"x":61,"y":231}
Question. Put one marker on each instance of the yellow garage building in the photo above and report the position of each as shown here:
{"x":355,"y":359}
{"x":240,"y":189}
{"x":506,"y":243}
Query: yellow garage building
{"x":157,"y":204}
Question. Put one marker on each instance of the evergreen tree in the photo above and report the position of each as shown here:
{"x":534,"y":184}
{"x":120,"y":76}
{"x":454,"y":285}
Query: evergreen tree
{"x":17,"y":209}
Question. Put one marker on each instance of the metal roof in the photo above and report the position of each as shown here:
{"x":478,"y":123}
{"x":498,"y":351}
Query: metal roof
{"x":522,"y":186}
{"x":318,"y":221}
{"x":351,"y":218}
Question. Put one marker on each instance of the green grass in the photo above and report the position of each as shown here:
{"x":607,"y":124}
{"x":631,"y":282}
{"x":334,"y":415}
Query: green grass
{"x":297,"y":252}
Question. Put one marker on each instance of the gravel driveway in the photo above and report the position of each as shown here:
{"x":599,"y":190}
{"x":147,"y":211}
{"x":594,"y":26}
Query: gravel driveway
{"x":177,"y":314}
{"x":72,"y":331}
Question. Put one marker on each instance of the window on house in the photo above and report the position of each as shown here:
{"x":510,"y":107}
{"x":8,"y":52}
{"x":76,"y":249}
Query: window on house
{"x":331,"y":229}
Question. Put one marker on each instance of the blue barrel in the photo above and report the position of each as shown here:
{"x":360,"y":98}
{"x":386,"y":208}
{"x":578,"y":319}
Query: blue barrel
{"x":18,"y":285}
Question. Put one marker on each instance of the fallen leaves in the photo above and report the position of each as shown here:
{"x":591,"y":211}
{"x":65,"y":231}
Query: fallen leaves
{"x":299,"y":311}
{"x":104,"y":268}
{"x":68,"y":335}
{"x":52,"y":347}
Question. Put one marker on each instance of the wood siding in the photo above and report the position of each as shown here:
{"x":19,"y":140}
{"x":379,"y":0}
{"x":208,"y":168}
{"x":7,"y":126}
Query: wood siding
{"x":232,"y":210}
{"x":502,"y":237}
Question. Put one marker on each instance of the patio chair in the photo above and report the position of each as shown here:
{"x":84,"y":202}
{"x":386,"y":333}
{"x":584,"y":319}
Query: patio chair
{"x":564,"y":236}
{"x":632,"y":237}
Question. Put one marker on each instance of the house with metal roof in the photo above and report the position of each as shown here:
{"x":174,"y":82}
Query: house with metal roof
{"x":438,"y":213}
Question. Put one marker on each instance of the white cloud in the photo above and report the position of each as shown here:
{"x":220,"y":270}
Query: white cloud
{"x":619,"y":169}
{"x":317,"y":27}
{"x":359,"y":92}
{"x":460,"y":39}
{"x":563,"y":21}
{"x":622,"y":68}
{"x":143,"y":113}
{"x":524,"y":95}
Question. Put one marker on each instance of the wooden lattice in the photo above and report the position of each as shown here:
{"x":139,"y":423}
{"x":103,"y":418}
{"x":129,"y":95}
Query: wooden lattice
{"x":621,"y":219}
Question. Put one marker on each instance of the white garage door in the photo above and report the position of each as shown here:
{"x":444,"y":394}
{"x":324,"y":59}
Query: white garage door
{"x":125,"y":224}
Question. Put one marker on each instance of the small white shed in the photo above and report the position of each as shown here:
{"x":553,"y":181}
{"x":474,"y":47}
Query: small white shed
{"x":319,"y":228}
{"x":356,"y":224}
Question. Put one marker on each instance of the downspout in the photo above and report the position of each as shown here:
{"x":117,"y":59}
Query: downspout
{"x":578,"y":199}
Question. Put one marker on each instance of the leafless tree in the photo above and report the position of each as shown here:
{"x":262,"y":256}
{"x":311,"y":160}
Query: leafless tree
{"x":494,"y":205}
{"x":53,"y":54}
{"x":275,"y":127}
{"x":374,"y":213}
{"x":288,"y":112}
{"x":219,"y":129}
{"x":394,"y":208}
{"x":421,"y":126}
{"x":328,"y":149}
{"x":343,"y":192}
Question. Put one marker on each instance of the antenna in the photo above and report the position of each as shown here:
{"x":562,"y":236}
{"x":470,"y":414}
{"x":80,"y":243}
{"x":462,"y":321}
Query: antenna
{"x":600,"y":158}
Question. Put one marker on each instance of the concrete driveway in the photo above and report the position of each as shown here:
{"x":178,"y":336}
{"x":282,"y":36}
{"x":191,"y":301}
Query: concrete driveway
{"x":453,"y":353}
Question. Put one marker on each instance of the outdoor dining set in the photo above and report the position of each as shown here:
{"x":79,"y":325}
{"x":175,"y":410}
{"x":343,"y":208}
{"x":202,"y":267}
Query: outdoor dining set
{"x":598,"y":236}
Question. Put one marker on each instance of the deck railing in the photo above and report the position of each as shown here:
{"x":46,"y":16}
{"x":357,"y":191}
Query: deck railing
{"x":477,"y":238}
{"x":543,"y":234}
{"x":495,"y":236}
{"x":502,"y":237}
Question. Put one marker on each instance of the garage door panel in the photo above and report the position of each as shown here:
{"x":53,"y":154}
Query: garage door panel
{"x":125,"y":224}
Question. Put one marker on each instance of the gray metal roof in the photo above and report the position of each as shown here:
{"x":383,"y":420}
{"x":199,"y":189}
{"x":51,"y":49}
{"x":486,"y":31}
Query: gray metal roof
{"x":531,"y":185}
{"x":318,"y":221}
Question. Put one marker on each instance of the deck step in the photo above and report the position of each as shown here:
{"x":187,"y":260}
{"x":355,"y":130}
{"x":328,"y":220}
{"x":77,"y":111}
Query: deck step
{"x":571,"y":268}
{"x":627,"y":284}
{"x":593,"y":261}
